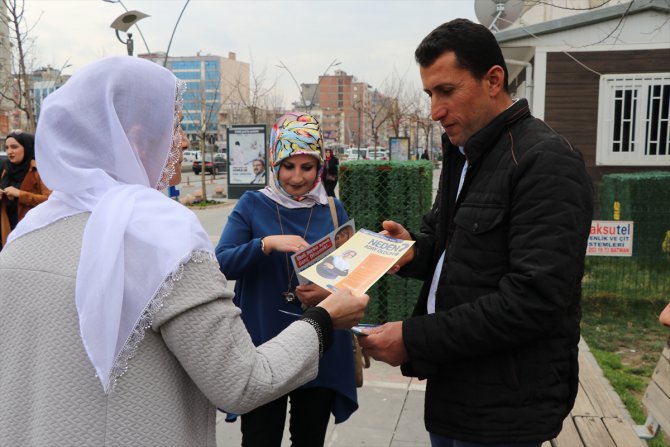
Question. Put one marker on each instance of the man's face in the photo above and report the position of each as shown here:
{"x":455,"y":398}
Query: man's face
{"x":461,"y":103}
{"x":258,"y":167}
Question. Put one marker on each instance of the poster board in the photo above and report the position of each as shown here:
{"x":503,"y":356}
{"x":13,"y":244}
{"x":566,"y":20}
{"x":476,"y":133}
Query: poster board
{"x":247,"y":158}
{"x":399,"y":148}
{"x":610,"y":238}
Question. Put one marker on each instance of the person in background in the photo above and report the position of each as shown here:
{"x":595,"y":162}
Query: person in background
{"x":424,"y":155}
{"x":21,"y":187}
{"x":116,"y":325}
{"x":501,"y":253}
{"x":330,"y":172}
{"x":258,"y":166}
{"x":264,"y":229}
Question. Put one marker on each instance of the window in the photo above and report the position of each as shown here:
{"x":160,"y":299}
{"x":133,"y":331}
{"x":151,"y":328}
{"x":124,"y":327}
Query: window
{"x":186,"y":65}
{"x":188,"y":75}
{"x":634,"y":120}
{"x":212,"y":65}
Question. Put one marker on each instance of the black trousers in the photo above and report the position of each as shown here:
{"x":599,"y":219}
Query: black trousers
{"x":309,"y":416}
{"x":330,"y":187}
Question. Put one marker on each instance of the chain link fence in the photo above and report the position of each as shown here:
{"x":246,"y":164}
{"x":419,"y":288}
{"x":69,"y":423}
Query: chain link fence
{"x":645,"y":275}
{"x":374,"y":191}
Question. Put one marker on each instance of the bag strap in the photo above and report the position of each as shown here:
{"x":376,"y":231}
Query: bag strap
{"x":333,"y":212}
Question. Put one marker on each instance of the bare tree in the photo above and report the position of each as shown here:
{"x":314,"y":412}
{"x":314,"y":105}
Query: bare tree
{"x":204,"y":118}
{"x":379,"y":112}
{"x":18,"y":92}
{"x":260,"y":95}
{"x":424,"y":122}
{"x":407,"y":98}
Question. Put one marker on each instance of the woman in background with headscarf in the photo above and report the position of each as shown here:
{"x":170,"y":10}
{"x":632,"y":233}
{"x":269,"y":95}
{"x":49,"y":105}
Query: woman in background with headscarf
{"x":331,"y":167}
{"x":264,"y":229}
{"x":21,"y":188}
{"x":116,"y":326}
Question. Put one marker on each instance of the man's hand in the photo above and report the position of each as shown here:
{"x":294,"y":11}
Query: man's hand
{"x":385,"y":343}
{"x":311,"y":294}
{"x":394,"y":229}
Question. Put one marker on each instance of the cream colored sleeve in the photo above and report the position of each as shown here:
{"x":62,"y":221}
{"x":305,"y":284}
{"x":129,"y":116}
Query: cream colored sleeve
{"x":203,"y":328}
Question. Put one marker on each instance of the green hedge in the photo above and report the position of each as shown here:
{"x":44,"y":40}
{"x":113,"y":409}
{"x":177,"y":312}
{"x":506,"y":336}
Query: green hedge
{"x":644,"y":198}
{"x":374,"y":191}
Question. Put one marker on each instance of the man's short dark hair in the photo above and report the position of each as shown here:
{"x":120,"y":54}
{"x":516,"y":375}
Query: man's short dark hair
{"x":474,"y":45}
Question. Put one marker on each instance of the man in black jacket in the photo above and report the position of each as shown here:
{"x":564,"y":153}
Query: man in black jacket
{"x":496,"y":326}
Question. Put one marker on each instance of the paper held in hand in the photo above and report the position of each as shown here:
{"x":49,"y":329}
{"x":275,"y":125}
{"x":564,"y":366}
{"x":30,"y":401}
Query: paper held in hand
{"x":356,"y":264}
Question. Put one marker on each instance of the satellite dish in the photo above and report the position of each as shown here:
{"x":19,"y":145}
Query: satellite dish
{"x":498,"y":14}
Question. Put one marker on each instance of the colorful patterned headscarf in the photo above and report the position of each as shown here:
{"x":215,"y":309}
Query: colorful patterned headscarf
{"x":296,"y":134}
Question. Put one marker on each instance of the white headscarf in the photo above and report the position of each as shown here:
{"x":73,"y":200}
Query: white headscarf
{"x":105,"y":142}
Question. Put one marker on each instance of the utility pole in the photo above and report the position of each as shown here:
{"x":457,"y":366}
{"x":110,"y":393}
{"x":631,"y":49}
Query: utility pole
{"x":358,"y":109}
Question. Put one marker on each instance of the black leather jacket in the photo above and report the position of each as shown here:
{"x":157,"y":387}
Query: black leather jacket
{"x":500,"y":353}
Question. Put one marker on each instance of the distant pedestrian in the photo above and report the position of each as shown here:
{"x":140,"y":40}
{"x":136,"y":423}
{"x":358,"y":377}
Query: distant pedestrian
{"x":331,"y":168}
{"x":21,"y":187}
{"x":424,"y":155}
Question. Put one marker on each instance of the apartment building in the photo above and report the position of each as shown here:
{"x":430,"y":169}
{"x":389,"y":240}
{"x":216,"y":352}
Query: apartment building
{"x":5,"y":71}
{"x":213,"y":84}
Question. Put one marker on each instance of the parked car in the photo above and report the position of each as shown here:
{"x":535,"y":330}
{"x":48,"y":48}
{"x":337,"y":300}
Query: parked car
{"x":191,"y":156}
{"x":354,"y":153}
{"x":378,"y":155}
{"x":214,"y":163}
{"x":365,"y":153}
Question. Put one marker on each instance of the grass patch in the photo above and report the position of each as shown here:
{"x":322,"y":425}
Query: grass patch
{"x":626,"y":339}
{"x":205,"y":203}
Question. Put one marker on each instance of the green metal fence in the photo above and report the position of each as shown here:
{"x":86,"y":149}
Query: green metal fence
{"x":374,"y":191}
{"x":642,"y":198}
{"x":646,"y":274}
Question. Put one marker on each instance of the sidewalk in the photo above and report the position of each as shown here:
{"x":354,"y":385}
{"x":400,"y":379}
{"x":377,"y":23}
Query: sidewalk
{"x":390,"y":412}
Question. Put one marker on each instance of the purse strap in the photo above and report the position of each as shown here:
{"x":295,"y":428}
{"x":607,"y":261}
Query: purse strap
{"x":333,"y":212}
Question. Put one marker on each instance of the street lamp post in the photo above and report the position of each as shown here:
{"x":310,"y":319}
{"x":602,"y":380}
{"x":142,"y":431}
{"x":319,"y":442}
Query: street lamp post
{"x":123,"y":23}
{"x":129,"y":41}
{"x":130,"y":35}
{"x":173,"y":31}
{"x":295,"y":81}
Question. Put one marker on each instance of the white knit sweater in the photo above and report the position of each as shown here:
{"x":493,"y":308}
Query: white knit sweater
{"x":196,"y":356}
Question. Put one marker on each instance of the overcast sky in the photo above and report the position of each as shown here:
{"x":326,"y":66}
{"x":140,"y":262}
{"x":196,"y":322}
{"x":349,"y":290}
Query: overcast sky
{"x":370,"y":38}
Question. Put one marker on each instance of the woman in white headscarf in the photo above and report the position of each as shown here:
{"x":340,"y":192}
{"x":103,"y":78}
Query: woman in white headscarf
{"x":111,"y":278}
{"x":264,"y":229}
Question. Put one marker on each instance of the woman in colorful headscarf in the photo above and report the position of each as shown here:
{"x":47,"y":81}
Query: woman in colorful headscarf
{"x":21,"y":187}
{"x":116,"y":326}
{"x":264,"y":229}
